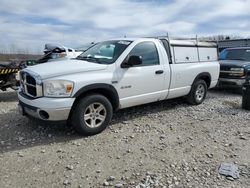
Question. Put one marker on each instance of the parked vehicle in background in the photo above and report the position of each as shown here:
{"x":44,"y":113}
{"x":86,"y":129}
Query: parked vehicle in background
{"x":117,"y":74}
{"x":9,"y":77}
{"x":8,"y":74}
{"x":54,"y":52}
{"x":234,"y":66}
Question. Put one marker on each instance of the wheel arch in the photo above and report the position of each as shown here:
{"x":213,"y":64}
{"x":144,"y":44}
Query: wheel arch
{"x":203,"y":76}
{"x":104,"y":89}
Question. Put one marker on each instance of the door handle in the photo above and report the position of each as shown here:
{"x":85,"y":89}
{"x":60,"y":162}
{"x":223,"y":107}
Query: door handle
{"x":159,"y":72}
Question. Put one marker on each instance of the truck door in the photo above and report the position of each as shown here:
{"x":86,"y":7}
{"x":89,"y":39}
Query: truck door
{"x":146,"y":82}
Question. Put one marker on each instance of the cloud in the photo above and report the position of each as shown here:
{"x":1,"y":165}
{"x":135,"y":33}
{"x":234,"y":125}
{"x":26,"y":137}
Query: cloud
{"x":30,"y":24}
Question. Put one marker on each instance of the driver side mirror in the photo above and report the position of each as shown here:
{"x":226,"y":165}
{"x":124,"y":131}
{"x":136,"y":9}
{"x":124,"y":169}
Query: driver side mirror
{"x":132,"y":61}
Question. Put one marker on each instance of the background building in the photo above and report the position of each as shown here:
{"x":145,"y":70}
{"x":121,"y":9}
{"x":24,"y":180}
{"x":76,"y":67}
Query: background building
{"x":233,"y":43}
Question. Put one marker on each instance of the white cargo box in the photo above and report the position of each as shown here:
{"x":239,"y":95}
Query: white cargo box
{"x":191,"y":51}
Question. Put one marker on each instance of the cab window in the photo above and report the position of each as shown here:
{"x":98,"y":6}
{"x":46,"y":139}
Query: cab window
{"x":148,"y":52}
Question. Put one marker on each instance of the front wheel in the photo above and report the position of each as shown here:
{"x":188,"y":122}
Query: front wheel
{"x":198,"y":92}
{"x":92,"y":114}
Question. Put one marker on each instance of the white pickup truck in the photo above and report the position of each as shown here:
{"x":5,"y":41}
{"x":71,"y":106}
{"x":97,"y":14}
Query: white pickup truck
{"x":117,"y":74}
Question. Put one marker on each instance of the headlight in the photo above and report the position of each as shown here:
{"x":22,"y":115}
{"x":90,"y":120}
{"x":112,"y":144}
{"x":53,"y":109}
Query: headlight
{"x":237,"y":69}
{"x":58,"y":88}
{"x":237,"y":72}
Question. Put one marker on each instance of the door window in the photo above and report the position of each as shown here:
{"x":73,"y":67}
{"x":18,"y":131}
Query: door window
{"x":148,"y":52}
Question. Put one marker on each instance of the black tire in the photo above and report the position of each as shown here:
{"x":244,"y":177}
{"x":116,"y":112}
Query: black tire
{"x":83,"y":110}
{"x":195,"y":98}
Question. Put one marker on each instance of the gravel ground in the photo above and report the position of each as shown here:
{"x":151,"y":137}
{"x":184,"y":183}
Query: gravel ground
{"x":164,"y":144}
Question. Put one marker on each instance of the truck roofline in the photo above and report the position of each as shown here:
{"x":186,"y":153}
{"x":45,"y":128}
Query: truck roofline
{"x":173,"y":42}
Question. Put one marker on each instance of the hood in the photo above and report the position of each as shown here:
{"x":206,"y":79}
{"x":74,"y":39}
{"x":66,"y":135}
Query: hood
{"x":234,"y":63}
{"x":60,"y":68}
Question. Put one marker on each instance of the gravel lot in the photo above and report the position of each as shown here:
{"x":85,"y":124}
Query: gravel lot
{"x":164,"y":144}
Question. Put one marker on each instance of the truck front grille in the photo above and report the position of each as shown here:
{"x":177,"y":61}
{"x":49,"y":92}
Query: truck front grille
{"x":29,"y":85}
{"x":30,"y":80}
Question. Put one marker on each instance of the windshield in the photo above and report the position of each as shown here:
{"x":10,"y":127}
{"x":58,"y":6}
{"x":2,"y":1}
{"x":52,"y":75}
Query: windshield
{"x":235,"y":54}
{"x":105,"y":52}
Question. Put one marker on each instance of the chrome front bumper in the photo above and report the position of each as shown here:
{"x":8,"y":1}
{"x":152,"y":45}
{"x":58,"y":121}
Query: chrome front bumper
{"x":50,"y":109}
{"x":231,"y":82}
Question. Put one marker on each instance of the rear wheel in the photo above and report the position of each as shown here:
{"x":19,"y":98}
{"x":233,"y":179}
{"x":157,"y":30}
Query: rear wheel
{"x":198,"y":92}
{"x":92,"y":114}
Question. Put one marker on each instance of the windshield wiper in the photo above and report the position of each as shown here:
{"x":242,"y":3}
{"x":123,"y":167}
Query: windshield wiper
{"x":88,"y":58}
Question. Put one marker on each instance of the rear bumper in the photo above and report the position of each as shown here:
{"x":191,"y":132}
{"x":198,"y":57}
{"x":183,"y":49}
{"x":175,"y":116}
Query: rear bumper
{"x":49,"y":109}
{"x":227,"y":82}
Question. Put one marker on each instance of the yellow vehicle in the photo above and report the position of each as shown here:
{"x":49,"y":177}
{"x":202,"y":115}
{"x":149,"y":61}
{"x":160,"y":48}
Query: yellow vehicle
{"x":8,"y":72}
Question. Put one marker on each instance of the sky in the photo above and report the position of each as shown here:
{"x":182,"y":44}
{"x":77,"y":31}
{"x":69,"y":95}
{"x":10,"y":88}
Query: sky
{"x":26,"y":25}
